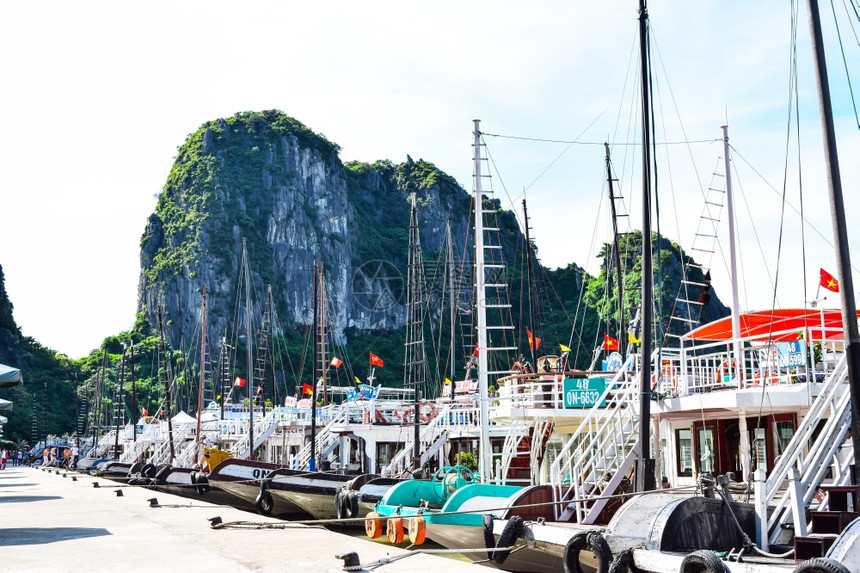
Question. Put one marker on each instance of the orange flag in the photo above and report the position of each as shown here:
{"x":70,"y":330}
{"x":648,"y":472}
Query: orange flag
{"x":376,"y":360}
{"x":307,"y":389}
{"x":336,"y":362}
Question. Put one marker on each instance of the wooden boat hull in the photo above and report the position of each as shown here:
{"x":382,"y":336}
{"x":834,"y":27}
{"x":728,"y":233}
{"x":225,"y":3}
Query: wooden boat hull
{"x":242,"y":479}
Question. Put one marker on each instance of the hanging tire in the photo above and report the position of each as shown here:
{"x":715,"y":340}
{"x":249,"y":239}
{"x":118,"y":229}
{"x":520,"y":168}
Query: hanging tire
{"x":264,"y":502}
{"x":513,"y":529}
{"x":373,"y":525}
{"x":702,"y":561}
{"x":623,"y":563}
{"x":350,"y":504}
{"x":489,"y":538}
{"x":161,"y":470}
{"x":200,"y":482}
{"x":148,"y":470}
{"x":821,"y":565}
{"x":580,"y":541}
{"x":338,"y":504}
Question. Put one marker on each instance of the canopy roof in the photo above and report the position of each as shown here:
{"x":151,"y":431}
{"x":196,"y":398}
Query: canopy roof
{"x":10,"y":376}
{"x":5,"y":405}
{"x":776,"y":325}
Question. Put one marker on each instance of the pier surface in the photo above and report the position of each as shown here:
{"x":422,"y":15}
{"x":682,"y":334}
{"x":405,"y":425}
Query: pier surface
{"x":53,"y":523}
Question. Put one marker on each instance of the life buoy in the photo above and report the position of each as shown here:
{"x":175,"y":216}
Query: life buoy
{"x":768,"y":377}
{"x":513,"y":529}
{"x":431,"y":413}
{"x":394,"y":529}
{"x":702,"y":561}
{"x":373,"y":525}
{"x":380,"y":417}
{"x":666,"y":374}
{"x":729,"y":367}
{"x":821,"y":565}
{"x":406,"y":416}
{"x":417,"y":529}
{"x":599,"y":547}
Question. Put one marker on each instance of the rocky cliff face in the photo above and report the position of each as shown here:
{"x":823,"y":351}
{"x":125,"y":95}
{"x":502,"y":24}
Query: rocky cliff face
{"x":267,"y":178}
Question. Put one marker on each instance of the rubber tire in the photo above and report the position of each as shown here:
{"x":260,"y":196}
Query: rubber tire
{"x":161,"y":470}
{"x":350,"y":504}
{"x":623,"y":563}
{"x":489,"y":538}
{"x":200,"y":482}
{"x":264,"y":502}
{"x":339,"y":509}
{"x":702,"y":561}
{"x":513,"y":529}
{"x":821,"y":565}
{"x":580,"y":541}
{"x":148,"y":470}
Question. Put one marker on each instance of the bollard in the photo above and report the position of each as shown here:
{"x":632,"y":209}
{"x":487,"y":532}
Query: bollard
{"x":119,"y":493}
{"x":153,"y":502}
{"x":74,"y":478}
{"x":213,"y":521}
{"x":351,"y":560}
{"x":95,"y":484}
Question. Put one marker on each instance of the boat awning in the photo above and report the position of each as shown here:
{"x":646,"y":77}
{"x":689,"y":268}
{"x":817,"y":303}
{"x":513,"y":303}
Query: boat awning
{"x":5,"y":405}
{"x":10,"y":376}
{"x":776,"y":325}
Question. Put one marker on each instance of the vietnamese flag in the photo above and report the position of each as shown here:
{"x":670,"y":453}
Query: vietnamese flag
{"x":376,"y":360}
{"x":239,"y":382}
{"x":609,"y":343}
{"x":336,"y":362}
{"x":828,"y":281}
{"x":307,"y":389}
{"x":534,"y":341}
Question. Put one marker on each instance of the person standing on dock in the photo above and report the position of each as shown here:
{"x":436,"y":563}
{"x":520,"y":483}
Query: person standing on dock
{"x":74,"y":456}
{"x":3,"y":457}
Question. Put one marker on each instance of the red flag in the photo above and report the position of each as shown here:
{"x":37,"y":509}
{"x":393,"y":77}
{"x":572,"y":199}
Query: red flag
{"x":144,"y":412}
{"x":307,"y":389}
{"x":609,"y":343}
{"x":376,"y":360}
{"x":336,"y":362}
{"x":239,"y":382}
{"x":828,"y":281}
{"x":534,"y":342}
{"x":475,"y":353}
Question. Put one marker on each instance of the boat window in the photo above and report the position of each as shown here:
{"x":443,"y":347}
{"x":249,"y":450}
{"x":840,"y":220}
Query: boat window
{"x":784,"y":432}
{"x":684,"y":455}
{"x":760,"y":449}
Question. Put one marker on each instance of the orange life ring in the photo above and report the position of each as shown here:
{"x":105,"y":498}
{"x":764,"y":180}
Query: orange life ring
{"x":380,"y":417}
{"x":417,"y":530}
{"x":667,"y":373}
{"x":768,"y":376}
{"x":373,"y":525}
{"x":406,"y":416}
{"x":394,"y":529}
{"x":431,"y":413}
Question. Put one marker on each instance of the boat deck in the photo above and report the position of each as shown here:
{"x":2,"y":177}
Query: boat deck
{"x":55,"y":523}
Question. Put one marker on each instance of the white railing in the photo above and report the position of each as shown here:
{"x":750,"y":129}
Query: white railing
{"x":104,"y":445}
{"x":401,"y":462}
{"x":324,"y":440}
{"x":263,"y":428}
{"x":510,"y":450}
{"x":161,"y":454}
{"x":600,"y":450}
{"x":810,"y":455}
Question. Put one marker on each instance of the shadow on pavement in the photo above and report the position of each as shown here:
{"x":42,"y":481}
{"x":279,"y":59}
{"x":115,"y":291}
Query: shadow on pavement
{"x":40,"y":535}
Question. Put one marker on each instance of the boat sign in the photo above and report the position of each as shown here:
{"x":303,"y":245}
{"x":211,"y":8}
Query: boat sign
{"x":791,"y":354}
{"x":583,"y":392}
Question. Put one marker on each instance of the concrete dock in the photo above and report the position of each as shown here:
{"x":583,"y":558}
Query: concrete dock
{"x":53,"y":523}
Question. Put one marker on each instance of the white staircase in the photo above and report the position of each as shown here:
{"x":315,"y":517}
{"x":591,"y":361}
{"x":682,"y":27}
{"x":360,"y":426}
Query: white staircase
{"x":326,"y":441}
{"x":263,"y":428}
{"x":431,"y":439}
{"x":600,"y":452}
{"x":801,"y":469}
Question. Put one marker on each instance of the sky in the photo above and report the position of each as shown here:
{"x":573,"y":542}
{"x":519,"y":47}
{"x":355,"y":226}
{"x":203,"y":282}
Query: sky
{"x":98,"y":96}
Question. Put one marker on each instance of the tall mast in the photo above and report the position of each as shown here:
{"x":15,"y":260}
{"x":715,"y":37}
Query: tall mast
{"x":453,"y":303}
{"x":249,"y":350}
{"x":485,"y":460}
{"x":736,"y":305}
{"x":314,"y":373}
{"x":645,"y":467}
{"x":530,"y":282}
{"x":119,"y":416}
{"x":323,"y":370}
{"x":134,"y":411}
{"x":414,"y":364}
{"x":201,"y":384}
{"x":617,"y":249}
{"x":840,"y":233}
{"x":163,"y":347}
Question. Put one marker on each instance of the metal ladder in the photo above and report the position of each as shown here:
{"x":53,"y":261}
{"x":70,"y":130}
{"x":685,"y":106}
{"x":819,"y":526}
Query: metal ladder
{"x":326,"y":440}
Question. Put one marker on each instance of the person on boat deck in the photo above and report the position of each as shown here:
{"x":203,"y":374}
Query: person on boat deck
{"x":562,"y":362}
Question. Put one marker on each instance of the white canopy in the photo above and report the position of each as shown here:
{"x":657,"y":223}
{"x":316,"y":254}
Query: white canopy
{"x":183,"y":418}
{"x":5,"y":405}
{"x":10,"y":376}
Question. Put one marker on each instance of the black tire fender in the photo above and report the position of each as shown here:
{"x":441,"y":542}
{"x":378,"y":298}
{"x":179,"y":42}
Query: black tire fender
{"x":338,"y":504}
{"x":200,"y":482}
{"x":161,"y":470}
{"x":489,"y":538}
{"x":148,"y":470}
{"x":702,"y":561}
{"x":821,"y":565}
{"x":623,"y":563}
{"x":264,"y":502}
{"x":350,"y":503}
{"x":513,"y":529}
{"x":580,"y":541}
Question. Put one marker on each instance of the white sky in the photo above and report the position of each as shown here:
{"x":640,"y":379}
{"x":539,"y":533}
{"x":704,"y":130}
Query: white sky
{"x":97,"y":97}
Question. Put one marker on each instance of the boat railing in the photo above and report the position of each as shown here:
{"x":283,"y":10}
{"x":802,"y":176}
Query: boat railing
{"x":104,"y":445}
{"x":431,"y":436}
{"x":600,"y":451}
{"x":324,"y":441}
{"x":161,"y":454}
{"x":814,"y":449}
{"x":264,"y":427}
